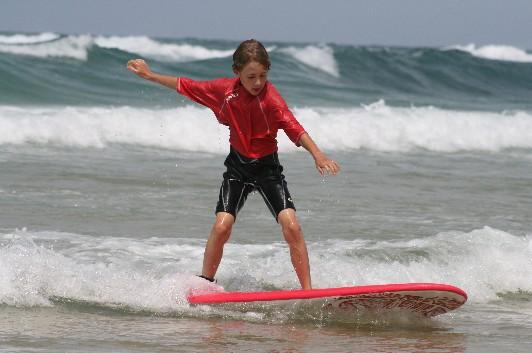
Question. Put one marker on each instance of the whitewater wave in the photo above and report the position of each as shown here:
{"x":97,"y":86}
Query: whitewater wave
{"x":154,"y":274}
{"x":495,"y":52}
{"x":484,"y":262}
{"x":381,"y":127}
{"x":78,"y":46}
{"x":28,"y":38}
{"x":75,"y":47}
{"x":377,"y":127}
{"x":189,"y":128}
{"x":33,"y":275}
{"x":317,"y":57}
{"x":162,"y":51}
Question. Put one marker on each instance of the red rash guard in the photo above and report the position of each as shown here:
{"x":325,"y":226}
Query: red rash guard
{"x":253,"y":120}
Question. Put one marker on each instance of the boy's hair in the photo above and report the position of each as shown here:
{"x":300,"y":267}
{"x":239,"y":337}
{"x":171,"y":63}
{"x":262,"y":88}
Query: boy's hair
{"x":248,"y":51}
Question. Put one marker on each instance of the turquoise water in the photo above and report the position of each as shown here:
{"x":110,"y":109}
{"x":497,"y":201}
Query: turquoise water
{"x":108,"y":186}
{"x":86,"y":70}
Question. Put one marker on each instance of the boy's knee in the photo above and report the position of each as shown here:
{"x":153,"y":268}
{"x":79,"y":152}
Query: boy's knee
{"x":292,"y":232}
{"x":223,"y":223}
{"x":291,"y":228}
{"x":222,"y":228}
{"x":222,"y":231}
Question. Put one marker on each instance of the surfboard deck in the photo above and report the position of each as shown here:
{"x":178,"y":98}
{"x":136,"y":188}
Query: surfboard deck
{"x":426,"y":299}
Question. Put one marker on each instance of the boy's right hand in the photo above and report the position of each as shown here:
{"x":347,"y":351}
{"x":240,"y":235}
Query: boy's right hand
{"x":139,"y":67}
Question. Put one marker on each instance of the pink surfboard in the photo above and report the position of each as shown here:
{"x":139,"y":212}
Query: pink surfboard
{"x":426,"y":299}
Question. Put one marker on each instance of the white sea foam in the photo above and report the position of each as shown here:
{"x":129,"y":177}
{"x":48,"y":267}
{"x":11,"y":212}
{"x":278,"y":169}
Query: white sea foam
{"x":78,"y":46}
{"x":32,"y":275}
{"x":376,"y":127}
{"x":148,"y":47}
{"x":75,"y":47}
{"x":188,"y":128}
{"x":319,"y":57}
{"x":484,"y":262}
{"x":495,"y":52}
{"x":383,"y":128}
{"x":28,"y":38}
{"x":155,"y":274}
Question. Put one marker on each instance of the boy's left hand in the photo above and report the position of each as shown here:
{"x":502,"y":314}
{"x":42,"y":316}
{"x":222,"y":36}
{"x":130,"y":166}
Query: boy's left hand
{"x":326,"y":165}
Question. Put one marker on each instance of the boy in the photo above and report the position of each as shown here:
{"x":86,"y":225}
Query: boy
{"x":254,"y":110}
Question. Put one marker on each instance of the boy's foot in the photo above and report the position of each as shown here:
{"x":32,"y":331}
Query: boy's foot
{"x":212,"y":280}
{"x":205,"y":285}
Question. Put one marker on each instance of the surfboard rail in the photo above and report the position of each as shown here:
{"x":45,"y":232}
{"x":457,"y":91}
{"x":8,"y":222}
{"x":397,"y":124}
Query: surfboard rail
{"x":239,"y":297}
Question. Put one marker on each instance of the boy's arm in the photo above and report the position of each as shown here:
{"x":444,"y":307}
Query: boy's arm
{"x":206,"y":93}
{"x":141,"y":68}
{"x":323,"y":163}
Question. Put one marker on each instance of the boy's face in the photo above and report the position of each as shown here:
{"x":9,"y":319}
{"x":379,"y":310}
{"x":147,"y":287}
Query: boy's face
{"x":253,"y":77}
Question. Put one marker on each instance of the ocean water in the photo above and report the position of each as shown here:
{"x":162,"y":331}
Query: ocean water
{"x":108,"y":186}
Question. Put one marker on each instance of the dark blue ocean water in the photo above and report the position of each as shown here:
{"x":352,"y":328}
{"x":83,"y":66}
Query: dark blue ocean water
{"x":86,"y":70}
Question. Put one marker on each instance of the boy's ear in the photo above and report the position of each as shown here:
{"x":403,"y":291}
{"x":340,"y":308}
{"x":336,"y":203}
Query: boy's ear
{"x":235,"y":71}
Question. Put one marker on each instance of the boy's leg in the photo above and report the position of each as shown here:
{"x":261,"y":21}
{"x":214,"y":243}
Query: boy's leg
{"x":221,"y":230}
{"x":233,"y":195}
{"x":298,"y":249}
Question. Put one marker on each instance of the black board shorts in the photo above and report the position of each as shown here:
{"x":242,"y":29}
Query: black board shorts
{"x":244,"y":175}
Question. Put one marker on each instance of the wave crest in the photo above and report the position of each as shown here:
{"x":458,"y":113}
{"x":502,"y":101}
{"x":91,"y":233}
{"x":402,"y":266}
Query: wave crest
{"x":318,"y":57}
{"x":376,"y":127}
{"x":143,"y":273}
{"x":28,"y":38}
{"x":162,"y":51}
{"x":495,"y":52}
{"x":75,"y":47}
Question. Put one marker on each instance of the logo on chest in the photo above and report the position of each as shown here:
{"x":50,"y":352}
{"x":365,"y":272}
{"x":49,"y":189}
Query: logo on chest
{"x":231,"y":96}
